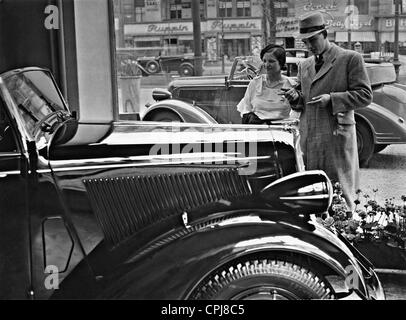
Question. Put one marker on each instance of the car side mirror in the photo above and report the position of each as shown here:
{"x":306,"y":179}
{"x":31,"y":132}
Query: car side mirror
{"x":305,"y":192}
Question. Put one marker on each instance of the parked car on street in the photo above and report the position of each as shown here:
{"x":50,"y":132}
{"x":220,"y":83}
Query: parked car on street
{"x":182,"y":64}
{"x":131,"y":62}
{"x":380,"y":124}
{"x":137,"y":210}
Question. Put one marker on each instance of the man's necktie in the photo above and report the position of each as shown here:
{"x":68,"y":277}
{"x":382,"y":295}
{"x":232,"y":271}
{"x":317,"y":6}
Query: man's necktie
{"x":319,"y":62}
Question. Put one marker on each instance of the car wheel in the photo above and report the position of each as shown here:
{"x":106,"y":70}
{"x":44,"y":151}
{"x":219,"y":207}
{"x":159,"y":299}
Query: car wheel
{"x":365,"y":143}
{"x":267,"y":279}
{"x":379,"y":147}
{"x":186,"y":70}
{"x":152,"y":66}
{"x":165,"y":116}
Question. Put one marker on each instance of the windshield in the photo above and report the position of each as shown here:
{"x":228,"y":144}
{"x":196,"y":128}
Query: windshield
{"x":34,"y":97}
{"x":245,"y":68}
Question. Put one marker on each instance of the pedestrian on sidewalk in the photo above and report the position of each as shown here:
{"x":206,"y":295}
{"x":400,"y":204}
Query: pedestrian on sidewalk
{"x":333,"y":83}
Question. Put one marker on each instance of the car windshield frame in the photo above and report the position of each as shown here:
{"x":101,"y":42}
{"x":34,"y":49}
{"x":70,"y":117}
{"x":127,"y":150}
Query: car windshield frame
{"x":381,"y":73}
{"x":32,"y":100}
{"x":247,"y":61}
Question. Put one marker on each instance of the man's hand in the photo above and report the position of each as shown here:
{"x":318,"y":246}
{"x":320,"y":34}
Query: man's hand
{"x":320,"y":101}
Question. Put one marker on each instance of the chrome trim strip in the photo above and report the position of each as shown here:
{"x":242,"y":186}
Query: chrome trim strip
{"x":147,"y":164}
{"x":301,"y":173}
{"x":9,"y":154}
{"x":312,"y":197}
{"x":3,"y":174}
{"x":390,"y":271}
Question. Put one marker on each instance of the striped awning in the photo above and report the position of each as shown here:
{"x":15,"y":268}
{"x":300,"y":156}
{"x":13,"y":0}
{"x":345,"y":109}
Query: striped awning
{"x":185,"y":37}
{"x":237,"y":35}
{"x":390,"y":36}
{"x":147,"y":38}
{"x":361,"y":36}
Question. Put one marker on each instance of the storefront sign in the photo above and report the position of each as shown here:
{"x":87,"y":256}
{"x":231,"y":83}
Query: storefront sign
{"x":353,"y":25}
{"x":173,"y":28}
{"x":390,"y":24}
{"x":323,"y":6}
{"x":154,"y":28}
{"x":158,"y":28}
{"x":285,"y":27}
{"x":219,"y":25}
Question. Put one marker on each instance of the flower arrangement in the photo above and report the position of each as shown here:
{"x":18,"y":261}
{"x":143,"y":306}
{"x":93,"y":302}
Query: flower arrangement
{"x":369,"y":221}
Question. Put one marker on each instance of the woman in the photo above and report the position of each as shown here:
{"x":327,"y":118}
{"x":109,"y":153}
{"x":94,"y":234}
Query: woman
{"x":264,"y":99}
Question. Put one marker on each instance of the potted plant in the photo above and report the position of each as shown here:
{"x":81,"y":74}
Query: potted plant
{"x":377,"y":230}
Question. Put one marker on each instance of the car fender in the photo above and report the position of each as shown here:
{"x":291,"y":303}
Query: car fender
{"x":186,"y":112}
{"x":175,"y":269}
{"x":186,"y":63}
{"x":386,"y":126}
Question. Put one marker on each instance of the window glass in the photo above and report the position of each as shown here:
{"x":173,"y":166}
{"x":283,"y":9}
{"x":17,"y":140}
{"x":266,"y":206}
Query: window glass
{"x":243,"y":8}
{"x":281,"y":8}
{"x":225,"y":8}
{"x":363,"y":6}
{"x":159,"y":47}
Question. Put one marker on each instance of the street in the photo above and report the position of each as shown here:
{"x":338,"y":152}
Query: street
{"x":387,"y":173}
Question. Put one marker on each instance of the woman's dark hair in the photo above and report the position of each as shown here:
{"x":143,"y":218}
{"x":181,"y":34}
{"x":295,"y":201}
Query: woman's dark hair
{"x":278,"y":51}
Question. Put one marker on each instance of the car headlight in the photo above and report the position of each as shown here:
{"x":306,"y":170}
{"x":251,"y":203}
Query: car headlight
{"x":305,"y":192}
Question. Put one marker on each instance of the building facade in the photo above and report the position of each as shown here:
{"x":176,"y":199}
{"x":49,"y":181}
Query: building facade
{"x":149,"y":24}
{"x":236,"y":27}
{"x":368,"y":22}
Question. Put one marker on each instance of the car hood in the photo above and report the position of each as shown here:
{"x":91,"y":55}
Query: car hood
{"x":139,"y":133}
{"x":143,"y":141}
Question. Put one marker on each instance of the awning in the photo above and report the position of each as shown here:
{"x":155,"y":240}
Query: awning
{"x":390,"y":36}
{"x":236,"y":35}
{"x":185,"y":37}
{"x":147,"y":38}
{"x":361,"y":36}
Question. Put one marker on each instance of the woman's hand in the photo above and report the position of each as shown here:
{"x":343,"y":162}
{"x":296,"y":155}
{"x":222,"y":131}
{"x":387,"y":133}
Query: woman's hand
{"x":292,"y":95}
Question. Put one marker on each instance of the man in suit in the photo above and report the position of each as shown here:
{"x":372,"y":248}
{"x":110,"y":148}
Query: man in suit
{"x":333,"y":83}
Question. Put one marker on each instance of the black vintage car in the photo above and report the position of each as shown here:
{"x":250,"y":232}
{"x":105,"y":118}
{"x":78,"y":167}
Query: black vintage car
{"x":182,"y":64}
{"x":161,"y":211}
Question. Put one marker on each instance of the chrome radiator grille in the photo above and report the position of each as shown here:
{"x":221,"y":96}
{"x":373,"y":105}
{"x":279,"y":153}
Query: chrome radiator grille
{"x":124,"y":205}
